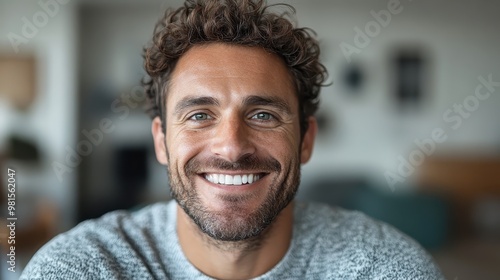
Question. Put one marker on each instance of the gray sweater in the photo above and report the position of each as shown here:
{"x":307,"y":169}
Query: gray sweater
{"x":328,"y":243}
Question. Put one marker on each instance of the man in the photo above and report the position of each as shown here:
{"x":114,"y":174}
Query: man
{"x":233,"y":91}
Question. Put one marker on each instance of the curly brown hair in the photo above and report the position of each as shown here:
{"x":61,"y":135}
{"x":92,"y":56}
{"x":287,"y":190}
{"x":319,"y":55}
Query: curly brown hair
{"x":240,"y":22}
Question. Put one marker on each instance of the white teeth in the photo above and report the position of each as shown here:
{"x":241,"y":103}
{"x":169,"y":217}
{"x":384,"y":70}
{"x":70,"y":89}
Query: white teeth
{"x":228,"y":180}
{"x":236,"y":180}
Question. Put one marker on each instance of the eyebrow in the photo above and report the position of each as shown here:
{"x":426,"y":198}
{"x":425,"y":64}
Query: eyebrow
{"x":190,"y":101}
{"x":276,"y":102}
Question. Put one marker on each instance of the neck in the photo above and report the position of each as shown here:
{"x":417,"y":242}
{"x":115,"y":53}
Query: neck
{"x":236,"y":260}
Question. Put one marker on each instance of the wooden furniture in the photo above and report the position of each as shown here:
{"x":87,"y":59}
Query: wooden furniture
{"x":464,"y":180}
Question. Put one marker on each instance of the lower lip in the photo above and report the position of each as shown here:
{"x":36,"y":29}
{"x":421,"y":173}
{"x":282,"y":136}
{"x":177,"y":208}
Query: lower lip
{"x":235,"y":188}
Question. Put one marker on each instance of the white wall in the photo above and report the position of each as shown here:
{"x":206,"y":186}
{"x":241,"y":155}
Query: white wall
{"x":51,"y":121}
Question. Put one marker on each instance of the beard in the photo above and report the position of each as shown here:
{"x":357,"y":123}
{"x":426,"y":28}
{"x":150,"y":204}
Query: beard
{"x":235,"y":223}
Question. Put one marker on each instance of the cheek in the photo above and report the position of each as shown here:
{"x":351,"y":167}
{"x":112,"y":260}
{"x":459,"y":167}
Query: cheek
{"x":184,"y":145}
{"x":282,"y":144}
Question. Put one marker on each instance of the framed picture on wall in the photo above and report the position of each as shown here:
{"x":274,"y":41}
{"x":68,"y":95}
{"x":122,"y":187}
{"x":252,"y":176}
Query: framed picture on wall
{"x":18,"y":80}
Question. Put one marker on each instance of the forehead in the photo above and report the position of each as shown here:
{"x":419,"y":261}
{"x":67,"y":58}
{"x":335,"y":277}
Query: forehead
{"x":230,"y":72}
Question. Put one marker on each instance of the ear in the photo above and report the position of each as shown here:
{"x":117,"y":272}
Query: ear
{"x":308,"y":140}
{"x":159,"y":141}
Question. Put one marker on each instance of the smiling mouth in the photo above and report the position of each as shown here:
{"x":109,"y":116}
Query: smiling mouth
{"x":233,"y":180}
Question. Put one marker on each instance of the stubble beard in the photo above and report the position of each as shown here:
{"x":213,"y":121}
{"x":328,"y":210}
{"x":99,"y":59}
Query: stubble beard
{"x":235,"y":227}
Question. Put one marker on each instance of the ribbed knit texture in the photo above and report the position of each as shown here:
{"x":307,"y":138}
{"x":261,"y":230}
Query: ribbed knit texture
{"x":328,"y":243}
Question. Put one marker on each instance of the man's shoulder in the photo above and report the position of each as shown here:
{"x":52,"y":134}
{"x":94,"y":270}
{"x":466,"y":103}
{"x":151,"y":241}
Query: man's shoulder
{"x":97,"y":247}
{"x":346,"y":225}
{"x":340,"y":223}
{"x":353,"y":243}
{"x":116,"y":225}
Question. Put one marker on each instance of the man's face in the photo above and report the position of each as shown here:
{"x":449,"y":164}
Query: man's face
{"x":232,"y":142}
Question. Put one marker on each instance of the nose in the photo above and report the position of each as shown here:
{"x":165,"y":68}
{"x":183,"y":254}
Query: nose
{"x":232,"y":140}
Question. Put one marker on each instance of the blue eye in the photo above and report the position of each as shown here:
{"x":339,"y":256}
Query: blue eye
{"x":262,"y":116}
{"x":200,"y":117}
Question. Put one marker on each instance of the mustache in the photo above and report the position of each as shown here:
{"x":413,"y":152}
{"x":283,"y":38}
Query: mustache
{"x":249,"y":163}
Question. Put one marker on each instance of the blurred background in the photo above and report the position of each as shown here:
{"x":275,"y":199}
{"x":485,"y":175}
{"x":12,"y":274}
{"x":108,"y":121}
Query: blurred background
{"x":409,"y":129}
